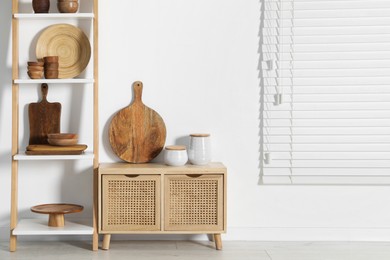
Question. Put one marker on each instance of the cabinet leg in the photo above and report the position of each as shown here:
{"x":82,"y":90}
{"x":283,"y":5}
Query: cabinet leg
{"x":210,"y":237}
{"x":12,"y":243}
{"x":218,"y":241}
{"x":106,"y":241}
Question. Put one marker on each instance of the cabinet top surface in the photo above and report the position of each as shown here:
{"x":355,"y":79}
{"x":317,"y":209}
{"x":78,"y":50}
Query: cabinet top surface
{"x":157,"y":168}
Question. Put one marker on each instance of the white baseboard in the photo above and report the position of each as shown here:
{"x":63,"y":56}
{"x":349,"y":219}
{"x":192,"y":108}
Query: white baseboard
{"x":246,"y":234}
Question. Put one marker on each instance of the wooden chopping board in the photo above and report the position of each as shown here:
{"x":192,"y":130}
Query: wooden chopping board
{"x":44,"y":118}
{"x":137,"y":133}
{"x":41,"y":149}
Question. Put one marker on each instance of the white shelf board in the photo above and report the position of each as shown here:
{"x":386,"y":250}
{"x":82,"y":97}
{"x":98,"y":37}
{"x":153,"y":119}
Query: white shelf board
{"x":53,"y":81}
{"x":24,"y":157}
{"x":40,"y":227}
{"x":54,"y":15}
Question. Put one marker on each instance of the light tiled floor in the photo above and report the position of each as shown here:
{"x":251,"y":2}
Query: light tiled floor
{"x":195,"y":250}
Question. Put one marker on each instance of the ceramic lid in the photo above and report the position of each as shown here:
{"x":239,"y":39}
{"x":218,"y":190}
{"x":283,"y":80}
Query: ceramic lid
{"x":200,"y":135}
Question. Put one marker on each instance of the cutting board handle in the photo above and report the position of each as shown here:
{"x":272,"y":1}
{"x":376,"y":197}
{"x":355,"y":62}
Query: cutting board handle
{"x":44,"y":90}
{"x":137,"y":88}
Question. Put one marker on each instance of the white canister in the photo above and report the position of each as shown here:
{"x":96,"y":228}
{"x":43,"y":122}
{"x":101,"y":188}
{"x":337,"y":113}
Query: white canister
{"x":175,"y":155}
{"x":199,"y":151}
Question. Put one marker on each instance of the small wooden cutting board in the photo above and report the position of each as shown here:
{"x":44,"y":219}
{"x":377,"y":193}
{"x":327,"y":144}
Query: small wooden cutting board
{"x":137,"y":133}
{"x":44,"y":118}
{"x":41,"y":149}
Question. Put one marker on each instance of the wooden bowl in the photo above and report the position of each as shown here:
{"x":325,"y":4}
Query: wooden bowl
{"x":35,"y":74}
{"x":35,"y":63}
{"x":63,"y":142}
{"x":41,"y":6}
{"x":68,"y":7}
{"x":50,"y":59}
{"x":35,"y":68}
{"x":62,"y":136}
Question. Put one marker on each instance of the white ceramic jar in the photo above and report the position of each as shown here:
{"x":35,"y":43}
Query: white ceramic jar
{"x":175,"y":155}
{"x":199,"y":151}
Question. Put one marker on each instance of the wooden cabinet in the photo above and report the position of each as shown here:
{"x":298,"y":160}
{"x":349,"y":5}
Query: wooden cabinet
{"x":159,"y":199}
{"x":23,"y":19}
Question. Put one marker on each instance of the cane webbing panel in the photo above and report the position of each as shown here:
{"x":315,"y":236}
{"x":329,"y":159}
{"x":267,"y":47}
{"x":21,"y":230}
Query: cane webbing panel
{"x":193,"y":203}
{"x":131,"y":203}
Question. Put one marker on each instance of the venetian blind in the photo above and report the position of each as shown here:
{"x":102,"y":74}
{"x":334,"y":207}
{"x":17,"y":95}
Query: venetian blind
{"x":325,"y":96}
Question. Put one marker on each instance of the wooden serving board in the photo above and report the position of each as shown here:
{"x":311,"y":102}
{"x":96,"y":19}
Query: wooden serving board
{"x":56,"y":212}
{"x":41,"y":149}
{"x":44,"y":118}
{"x":137,"y":133}
{"x":57,"y":208}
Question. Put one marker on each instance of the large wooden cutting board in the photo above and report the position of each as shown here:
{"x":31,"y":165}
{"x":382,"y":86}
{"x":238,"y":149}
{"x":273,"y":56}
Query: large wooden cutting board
{"x":44,"y":118}
{"x":137,"y":133}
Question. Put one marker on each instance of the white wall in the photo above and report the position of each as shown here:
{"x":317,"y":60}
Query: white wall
{"x":198,"y":61}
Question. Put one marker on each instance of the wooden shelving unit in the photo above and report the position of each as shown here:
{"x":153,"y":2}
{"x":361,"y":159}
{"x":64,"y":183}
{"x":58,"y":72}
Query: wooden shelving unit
{"x":39,"y":226}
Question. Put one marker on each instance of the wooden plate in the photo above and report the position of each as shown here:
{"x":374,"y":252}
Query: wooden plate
{"x":70,"y":44}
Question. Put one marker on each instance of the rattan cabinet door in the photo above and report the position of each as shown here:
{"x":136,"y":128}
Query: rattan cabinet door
{"x":131,"y":202}
{"x":193,"y":203}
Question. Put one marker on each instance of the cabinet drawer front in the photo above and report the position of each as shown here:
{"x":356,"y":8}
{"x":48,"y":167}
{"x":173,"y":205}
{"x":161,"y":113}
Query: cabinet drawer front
{"x":131,"y":202}
{"x":193,"y":202}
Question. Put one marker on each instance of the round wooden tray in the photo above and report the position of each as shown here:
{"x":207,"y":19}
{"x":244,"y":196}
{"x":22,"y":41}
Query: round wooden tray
{"x":56,"y":212}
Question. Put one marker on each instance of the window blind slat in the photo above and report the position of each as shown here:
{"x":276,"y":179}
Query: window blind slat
{"x":318,"y":23}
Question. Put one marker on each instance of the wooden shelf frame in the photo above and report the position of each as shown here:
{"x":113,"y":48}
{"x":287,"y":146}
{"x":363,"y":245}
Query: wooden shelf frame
{"x":21,"y":227}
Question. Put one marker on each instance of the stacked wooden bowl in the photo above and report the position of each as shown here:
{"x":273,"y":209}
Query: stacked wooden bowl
{"x":35,"y":69}
{"x":51,"y":67}
{"x":67,"y":6}
{"x":62,"y":139}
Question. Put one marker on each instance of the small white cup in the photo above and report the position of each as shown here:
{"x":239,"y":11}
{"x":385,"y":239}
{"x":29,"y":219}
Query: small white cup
{"x":175,"y":155}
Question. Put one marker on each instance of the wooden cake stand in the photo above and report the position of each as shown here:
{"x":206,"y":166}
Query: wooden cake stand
{"x":56,"y":212}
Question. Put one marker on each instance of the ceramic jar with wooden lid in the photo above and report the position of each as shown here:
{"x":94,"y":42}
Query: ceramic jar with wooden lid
{"x":199,"y":151}
{"x":175,"y":155}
